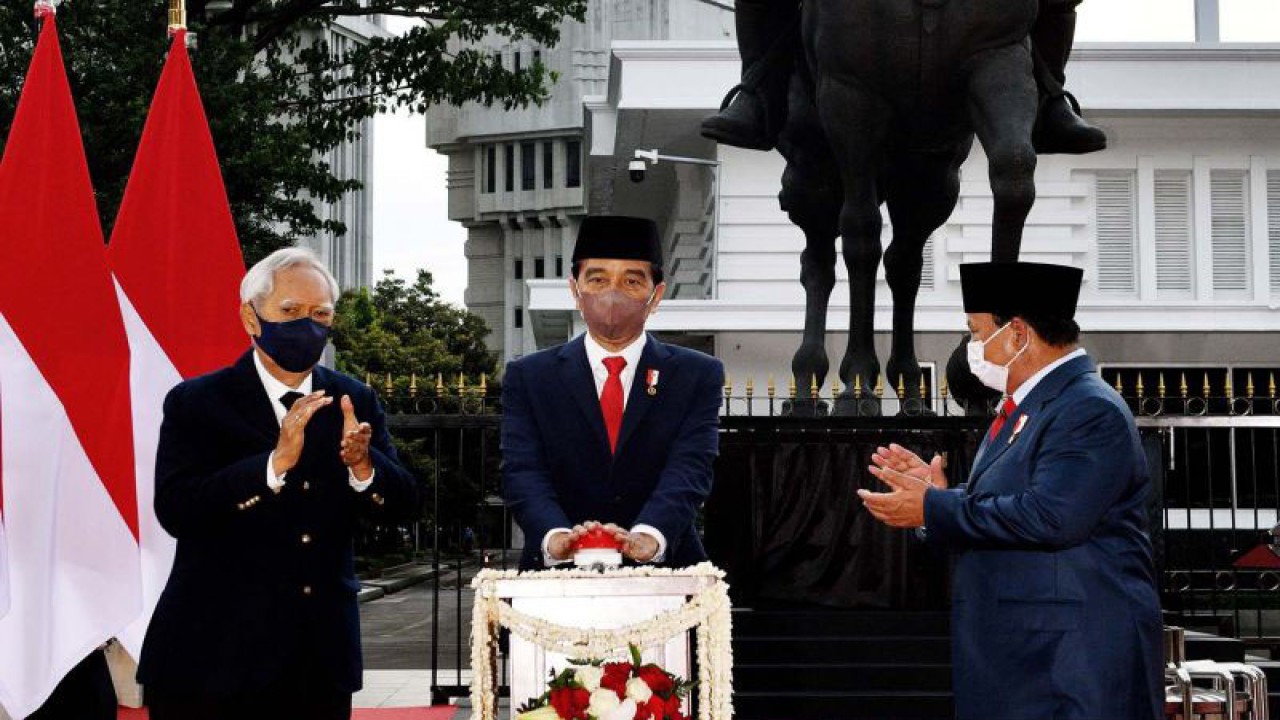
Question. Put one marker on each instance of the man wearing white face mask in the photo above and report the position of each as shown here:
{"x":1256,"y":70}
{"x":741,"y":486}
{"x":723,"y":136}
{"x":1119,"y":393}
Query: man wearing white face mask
{"x":612,"y":428}
{"x":1055,"y":612}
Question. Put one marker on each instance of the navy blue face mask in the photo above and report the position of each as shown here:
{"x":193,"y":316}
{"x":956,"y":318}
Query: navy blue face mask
{"x":295,"y":345}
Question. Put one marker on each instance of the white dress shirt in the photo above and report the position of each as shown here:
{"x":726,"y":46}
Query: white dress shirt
{"x":275,"y":390}
{"x":596,"y":354}
{"x":1030,"y":383}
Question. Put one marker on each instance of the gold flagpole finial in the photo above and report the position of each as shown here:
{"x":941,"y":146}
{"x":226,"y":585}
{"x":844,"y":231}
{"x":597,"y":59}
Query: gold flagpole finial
{"x":177,"y":16}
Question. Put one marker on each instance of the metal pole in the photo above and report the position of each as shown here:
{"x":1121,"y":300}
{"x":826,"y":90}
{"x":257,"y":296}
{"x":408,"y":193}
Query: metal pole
{"x":1207,"y":20}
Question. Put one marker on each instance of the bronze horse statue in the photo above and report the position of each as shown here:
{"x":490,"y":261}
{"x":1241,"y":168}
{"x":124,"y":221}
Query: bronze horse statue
{"x":884,"y":111}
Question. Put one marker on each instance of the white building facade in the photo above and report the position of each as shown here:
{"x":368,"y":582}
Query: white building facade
{"x":1177,"y":223}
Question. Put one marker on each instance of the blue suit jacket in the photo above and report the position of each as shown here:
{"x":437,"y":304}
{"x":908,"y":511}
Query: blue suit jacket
{"x":234,"y":615}
{"x":1055,"y":608}
{"x":557,"y":468}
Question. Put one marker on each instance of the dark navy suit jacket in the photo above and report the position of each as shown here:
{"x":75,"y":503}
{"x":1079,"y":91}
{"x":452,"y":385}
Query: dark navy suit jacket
{"x":1055,"y":608}
{"x":557,"y":467}
{"x":262,"y":582}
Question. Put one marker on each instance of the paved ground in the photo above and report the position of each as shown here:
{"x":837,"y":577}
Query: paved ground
{"x":397,"y":630}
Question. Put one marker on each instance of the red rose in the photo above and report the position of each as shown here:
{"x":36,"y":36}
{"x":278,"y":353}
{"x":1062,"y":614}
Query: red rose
{"x":656,"y":708}
{"x":571,"y":703}
{"x":657,"y":679}
{"x":673,"y":708}
{"x":615,"y":678}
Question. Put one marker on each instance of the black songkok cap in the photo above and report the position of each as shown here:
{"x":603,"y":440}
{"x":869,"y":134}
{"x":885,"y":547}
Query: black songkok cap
{"x":1023,"y":289}
{"x":618,"y":237}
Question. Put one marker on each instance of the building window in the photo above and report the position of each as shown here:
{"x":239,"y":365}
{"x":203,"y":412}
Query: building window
{"x":518,"y":269}
{"x":519,"y":317}
{"x":510,"y":180}
{"x":490,"y":169}
{"x":573,"y":164}
{"x":1229,"y":235}
{"x":539,"y":268}
{"x":548,"y":165}
{"x":1115,"y":200}
{"x":1173,"y":226}
{"x":559,"y":266}
{"x":1273,"y":229}
{"x":518,"y":63}
{"x":537,"y":57}
{"x":528,"y":165}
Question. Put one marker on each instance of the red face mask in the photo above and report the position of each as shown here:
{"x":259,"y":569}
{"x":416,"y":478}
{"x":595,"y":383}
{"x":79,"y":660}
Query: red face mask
{"x":613,"y":315}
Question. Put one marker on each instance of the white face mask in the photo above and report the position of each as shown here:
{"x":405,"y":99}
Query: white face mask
{"x":988,"y":373}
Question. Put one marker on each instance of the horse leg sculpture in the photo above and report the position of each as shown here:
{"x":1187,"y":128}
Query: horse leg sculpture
{"x":857,"y":126}
{"x":811,"y":196}
{"x":1002,"y":108}
{"x":922,"y":190}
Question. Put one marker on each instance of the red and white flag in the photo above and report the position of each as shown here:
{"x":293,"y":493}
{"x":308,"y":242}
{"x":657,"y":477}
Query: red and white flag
{"x":67,"y":445}
{"x":177,"y":266}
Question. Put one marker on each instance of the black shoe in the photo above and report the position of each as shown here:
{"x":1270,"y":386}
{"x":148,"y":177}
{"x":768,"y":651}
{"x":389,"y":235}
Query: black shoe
{"x":743,"y":121}
{"x":1060,"y":129}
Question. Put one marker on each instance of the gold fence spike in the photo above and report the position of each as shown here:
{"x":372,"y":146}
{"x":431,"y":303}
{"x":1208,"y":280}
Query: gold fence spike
{"x":439,"y":384}
{"x":791,"y":387}
{"x":772,"y":388}
{"x":1182,"y":388}
{"x":484,"y":384}
{"x":1207,"y":389}
{"x":879,"y":386}
{"x":1271,"y":386}
{"x":1229,"y":388}
{"x":1248,"y":388}
{"x":835,"y":386}
{"x":368,"y":379}
{"x":413,"y":385}
{"x":751,"y":387}
{"x":902,"y":389}
{"x":813,"y":385}
{"x":857,"y":386}
{"x":1160,"y":388}
{"x":462,"y":384}
{"x":1142,"y":391}
{"x":389,"y":387}
{"x":944,"y":390}
{"x":924,"y":388}
{"x":728,"y":385}
{"x":1120,"y":383}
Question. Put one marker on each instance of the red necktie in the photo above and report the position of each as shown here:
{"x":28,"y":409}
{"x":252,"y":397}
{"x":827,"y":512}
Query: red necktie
{"x":1005,"y":411}
{"x":611,"y":399}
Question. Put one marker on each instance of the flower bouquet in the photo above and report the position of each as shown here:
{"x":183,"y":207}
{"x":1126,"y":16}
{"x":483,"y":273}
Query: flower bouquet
{"x":594,"y":690}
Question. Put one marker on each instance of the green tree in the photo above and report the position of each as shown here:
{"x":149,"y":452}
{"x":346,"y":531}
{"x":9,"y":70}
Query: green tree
{"x":277,"y":98}
{"x":403,"y":330}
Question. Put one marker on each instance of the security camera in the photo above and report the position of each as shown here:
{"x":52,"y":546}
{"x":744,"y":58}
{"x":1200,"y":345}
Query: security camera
{"x":636,"y":169}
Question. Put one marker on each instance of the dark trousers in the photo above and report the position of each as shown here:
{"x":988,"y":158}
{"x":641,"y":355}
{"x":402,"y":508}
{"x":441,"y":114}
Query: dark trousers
{"x":86,"y":693}
{"x":288,"y":700}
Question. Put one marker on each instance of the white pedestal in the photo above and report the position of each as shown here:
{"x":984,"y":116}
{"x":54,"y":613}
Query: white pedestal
{"x":603,"y":603}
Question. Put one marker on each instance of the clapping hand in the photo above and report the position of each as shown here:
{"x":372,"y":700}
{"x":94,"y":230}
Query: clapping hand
{"x":354,"y":448}
{"x":909,"y":479}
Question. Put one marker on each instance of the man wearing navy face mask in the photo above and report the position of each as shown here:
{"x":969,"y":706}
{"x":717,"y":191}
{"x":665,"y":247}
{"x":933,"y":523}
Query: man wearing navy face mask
{"x":262,"y":471}
{"x":1055,"y":612}
{"x":612,"y":428}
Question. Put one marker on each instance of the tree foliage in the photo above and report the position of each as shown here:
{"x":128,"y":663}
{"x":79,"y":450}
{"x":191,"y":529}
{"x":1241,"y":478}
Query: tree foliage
{"x":277,"y":95}
{"x":402,"y":330}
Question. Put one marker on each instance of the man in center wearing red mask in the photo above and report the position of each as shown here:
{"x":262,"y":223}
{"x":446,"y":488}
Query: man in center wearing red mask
{"x":612,"y":428}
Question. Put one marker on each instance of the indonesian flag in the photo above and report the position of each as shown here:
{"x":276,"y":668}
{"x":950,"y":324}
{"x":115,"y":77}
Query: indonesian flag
{"x":177,"y":266}
{"x":67,"y":447}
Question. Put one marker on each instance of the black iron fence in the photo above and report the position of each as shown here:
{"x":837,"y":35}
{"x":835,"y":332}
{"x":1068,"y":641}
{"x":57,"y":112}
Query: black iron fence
{"x":1214,"y":451}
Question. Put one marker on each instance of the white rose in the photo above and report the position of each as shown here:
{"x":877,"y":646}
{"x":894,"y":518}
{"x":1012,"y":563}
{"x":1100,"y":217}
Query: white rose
{"x":625,"y":711}
{"x":639,"y":690}
{"x":603,"y":702}
{"x":590,"y":676}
